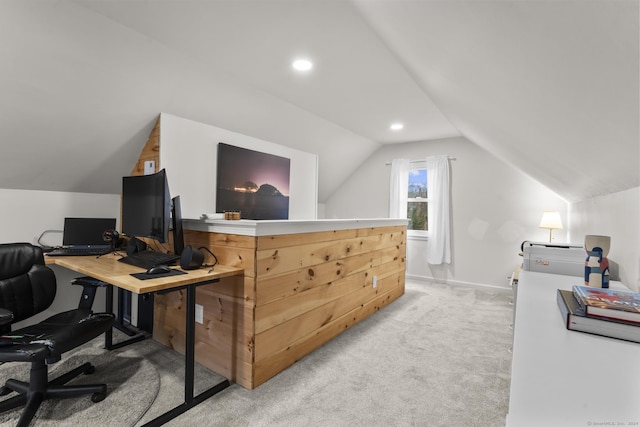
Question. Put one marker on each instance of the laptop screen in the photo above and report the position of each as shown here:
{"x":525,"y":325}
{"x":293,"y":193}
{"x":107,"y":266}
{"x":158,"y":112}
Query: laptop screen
{"x":86,"y":231}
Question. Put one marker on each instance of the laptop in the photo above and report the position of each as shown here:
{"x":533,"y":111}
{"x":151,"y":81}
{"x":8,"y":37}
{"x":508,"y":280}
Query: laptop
{"x":83,"y":236}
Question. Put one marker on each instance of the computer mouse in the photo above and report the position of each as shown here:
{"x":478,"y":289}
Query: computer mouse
{"x":158,"y":269}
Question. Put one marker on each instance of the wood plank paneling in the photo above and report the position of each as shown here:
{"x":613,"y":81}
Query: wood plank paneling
{"x":219,"y":239}
{"x":232,"y":250}
{"x":299,"y":291}
{"x":150,"y":151}
{"x":227,"y":333}
{"x":344,"y":289}
{"x":272,"y":262}
{"x":311,"y":287}
{"x":225,"y":339}
{"x":285,"y":357}
{"x":288,"y":240}
{"x":295,"y":322}
{"x":303,"y":279}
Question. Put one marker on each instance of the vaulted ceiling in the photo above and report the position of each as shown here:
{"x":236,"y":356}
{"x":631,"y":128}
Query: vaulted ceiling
{"x":551,"y":87}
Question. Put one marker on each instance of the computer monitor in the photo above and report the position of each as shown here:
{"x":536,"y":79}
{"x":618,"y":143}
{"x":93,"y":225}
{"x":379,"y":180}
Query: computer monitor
{"x":176,"y":220}
{"x":146,"y":206}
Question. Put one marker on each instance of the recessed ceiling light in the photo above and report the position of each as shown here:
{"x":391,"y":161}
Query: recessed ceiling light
{"x":302,"y":64}
{"x":397,"y":126}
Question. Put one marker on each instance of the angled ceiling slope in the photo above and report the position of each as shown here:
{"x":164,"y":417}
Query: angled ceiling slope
{"x":546,"y":86}
{"x":550,"y":87}
{"x":88,"y":79}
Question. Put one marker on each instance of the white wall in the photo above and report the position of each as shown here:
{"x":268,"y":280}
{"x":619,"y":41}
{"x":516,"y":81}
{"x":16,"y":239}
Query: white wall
{"x":26,"y":214}
{"x":189,"y":152}
{"x":616,"y":215}
{"x":495,"y":208}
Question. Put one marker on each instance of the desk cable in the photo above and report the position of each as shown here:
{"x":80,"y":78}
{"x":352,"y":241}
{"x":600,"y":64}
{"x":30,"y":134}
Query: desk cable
{"x":214,"y":257}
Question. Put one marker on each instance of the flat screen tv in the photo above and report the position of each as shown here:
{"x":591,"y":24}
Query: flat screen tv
{"x":146,"y":206}
{"x":255,"y":184}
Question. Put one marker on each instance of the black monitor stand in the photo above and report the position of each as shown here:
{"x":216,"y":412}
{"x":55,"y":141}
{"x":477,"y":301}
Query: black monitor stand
{"x":123,"y":320}
{"x":178,"y":233}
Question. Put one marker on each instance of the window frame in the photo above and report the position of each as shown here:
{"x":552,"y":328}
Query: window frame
{"x":418,"y":234}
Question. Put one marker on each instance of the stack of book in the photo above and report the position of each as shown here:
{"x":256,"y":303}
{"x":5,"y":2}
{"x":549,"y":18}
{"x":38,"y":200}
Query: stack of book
{"x":601,"y":311}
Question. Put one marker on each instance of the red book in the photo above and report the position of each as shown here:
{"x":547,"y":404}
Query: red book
{"x":609,"y":303}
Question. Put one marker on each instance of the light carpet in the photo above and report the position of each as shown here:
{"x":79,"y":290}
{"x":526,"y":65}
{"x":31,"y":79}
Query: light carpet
{"x":437,"y":356}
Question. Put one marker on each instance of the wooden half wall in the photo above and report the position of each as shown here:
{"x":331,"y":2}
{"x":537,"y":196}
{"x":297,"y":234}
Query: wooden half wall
{"x":299,"y":291}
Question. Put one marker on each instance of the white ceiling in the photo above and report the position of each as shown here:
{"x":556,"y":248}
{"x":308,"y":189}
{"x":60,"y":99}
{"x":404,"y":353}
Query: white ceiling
{"x":551,"y":87}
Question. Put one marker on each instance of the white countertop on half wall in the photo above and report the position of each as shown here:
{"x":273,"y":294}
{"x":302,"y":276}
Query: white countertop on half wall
{"x":246,"y":227}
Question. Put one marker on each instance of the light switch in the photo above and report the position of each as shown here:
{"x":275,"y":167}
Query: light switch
{"x":199,"y":314}
{"x":149,"y":167}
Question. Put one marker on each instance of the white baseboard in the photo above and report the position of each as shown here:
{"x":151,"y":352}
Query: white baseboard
{"x":417,"y":278}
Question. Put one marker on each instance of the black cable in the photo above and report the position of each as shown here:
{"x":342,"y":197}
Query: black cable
{"x":212,"y":254}
{"x":42,"y":235}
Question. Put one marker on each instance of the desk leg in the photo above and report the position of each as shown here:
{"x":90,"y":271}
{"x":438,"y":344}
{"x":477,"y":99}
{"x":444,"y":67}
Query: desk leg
{"x":189,"y":368}
{"x":108,"y":336}
{"x":190,"y":345}
{"x":119,"y":323}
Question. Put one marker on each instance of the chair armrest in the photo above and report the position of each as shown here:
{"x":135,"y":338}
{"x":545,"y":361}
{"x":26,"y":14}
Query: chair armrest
{"x":88,"y":281}
{"x":6,"y":316}
{"x":89,"y":287}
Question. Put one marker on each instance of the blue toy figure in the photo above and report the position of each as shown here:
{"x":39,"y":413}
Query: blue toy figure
{"x":596,"y":266}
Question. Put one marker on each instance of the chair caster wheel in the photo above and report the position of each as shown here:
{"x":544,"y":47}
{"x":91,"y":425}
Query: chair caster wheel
{"x":4,"y":391}
{"x":90,"y":370}
{"x":98,"y":397}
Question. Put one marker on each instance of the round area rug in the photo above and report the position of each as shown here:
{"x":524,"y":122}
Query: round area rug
{"x":132,"y":386}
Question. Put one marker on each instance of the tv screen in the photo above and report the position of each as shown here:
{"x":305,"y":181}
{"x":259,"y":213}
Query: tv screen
{"x":146,"y":206}
{"x":255,"y":184}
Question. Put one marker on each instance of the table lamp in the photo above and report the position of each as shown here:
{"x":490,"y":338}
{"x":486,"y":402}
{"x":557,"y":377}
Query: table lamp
{"x":552,"y":221}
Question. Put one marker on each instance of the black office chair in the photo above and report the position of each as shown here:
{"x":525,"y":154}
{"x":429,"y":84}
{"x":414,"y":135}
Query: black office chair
{"x":28,"y":287}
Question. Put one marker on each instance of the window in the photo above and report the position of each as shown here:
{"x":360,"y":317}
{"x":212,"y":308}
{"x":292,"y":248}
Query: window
{"x":417,"y":200}
{"x":416,"y":188}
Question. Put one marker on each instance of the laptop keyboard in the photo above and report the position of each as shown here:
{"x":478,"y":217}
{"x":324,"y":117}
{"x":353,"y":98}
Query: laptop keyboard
{"x":78,"y":251}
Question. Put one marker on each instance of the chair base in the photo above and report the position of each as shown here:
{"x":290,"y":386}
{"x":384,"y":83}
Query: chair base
{"x":39,"y":389}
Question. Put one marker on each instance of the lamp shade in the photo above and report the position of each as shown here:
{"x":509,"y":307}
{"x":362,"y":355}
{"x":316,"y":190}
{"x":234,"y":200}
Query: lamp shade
{"x":551,"y":220}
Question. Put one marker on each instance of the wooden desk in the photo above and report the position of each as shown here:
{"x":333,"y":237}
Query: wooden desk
{"x":109,"y":270}
{"x":563,"y":378}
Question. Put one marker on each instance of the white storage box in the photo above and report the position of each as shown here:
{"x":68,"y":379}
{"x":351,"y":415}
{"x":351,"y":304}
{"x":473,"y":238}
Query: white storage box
{"x":567,"y":260}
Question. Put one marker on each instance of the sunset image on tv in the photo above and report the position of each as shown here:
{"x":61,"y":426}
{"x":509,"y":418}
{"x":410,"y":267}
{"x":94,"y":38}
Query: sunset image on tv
{"x":255,"y":184}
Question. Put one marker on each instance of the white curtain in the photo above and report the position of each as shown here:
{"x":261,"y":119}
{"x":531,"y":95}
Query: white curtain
{"x":438,"y":183}
{"x":399,"y":188}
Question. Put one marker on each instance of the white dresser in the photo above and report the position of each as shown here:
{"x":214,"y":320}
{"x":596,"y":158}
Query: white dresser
{"x":563,"y":378}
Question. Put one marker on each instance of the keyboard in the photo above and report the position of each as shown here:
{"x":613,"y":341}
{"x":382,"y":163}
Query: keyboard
{"x":148,"y":259}
{"x":78,"y":251}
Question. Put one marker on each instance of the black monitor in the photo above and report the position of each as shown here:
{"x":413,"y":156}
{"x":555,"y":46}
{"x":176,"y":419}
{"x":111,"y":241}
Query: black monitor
{"x":146,"y":206}
{"x":176,"y":221}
